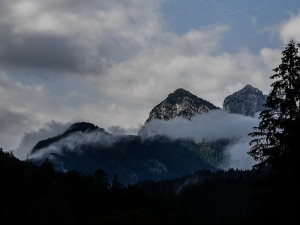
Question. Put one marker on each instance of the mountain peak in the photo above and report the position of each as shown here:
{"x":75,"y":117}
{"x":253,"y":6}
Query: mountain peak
{"x":83,"y":127}
{"x":179,"y":95}
{"x":249,"y":87}
{"x":180,"y":103}
{"x":246,"y":101}
{"x":75,"y":127}
{"x":181,"y":91}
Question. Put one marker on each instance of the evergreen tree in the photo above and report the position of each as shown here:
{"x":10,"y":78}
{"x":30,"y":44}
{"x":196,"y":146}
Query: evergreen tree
{"x":116,"y":185}
{"x":277,"y":138}
{"x":277,"y":141}
{"x":101,"y":179}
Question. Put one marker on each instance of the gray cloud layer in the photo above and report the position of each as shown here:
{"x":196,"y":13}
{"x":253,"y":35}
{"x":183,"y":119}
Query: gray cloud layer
{"x":72,"y":36}
{"x":212,"y":126}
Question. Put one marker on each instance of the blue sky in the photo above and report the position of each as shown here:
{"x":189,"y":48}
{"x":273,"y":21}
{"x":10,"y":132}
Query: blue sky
{"x":111,"y":62}
{"x":251,"y":21}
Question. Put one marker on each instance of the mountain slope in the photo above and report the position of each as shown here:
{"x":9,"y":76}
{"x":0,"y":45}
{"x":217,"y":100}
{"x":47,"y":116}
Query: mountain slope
{"x":246,"y":101}
{"x":76,"y":127}
{"x":180,"y":103}
{"x":133,"y":158}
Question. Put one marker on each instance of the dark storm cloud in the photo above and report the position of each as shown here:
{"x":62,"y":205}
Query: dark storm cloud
{"x":57,"y":53}
{"x":68,"y":36}
{"x":39,"y":51}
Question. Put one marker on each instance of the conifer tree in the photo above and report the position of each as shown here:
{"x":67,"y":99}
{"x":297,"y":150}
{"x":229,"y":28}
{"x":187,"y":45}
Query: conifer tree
{"x":277,"y":138}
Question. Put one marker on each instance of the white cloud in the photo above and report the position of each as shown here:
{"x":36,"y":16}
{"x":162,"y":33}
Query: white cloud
{"x":159,"y":71}
{"x":290,"y":29}
{"x":212,"y":126}
{"x":238,"y":156}
{"x":217,"y":124}
{"x":271,"y":58}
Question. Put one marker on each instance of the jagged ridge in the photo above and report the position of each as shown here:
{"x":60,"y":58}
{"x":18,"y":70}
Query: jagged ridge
{"x":180,"y":103}
{"x":246,"y":101}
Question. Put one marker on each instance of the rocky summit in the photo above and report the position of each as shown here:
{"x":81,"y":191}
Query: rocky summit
{"x":180,"y":103}
{"x":246,"y":101}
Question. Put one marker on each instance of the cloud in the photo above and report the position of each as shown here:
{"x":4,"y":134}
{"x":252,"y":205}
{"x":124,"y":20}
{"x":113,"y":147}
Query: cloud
{"x":150,"y":77}
{"x":271,"y":58}
{"x":12,"y":124}
{"x":238,"y":156}
{"x":26,"y":108}
{"x":212,"y":126}
{"x":17,"y":102}
{"x":118,"y":130}
{"x":75,"y":143}
{"x":74,"y":36}
{"x":30,"y":139}
{"x":289,"y":29}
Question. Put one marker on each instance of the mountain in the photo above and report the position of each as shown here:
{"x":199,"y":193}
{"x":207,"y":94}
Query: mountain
{"x":180,"y":103}
{"x":76,"y":127}
{"x":246,"y":101}
{"x":87,"y":148}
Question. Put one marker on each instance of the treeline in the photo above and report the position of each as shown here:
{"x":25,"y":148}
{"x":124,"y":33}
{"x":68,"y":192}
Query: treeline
{"x":31,"y":194}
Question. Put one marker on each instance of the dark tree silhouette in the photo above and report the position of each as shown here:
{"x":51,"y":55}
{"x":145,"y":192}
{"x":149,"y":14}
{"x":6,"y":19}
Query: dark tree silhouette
{"x":277,"y":138}
{"x":101,"y":179}
{"x":116,"y":185}
{"x":277,"y":141}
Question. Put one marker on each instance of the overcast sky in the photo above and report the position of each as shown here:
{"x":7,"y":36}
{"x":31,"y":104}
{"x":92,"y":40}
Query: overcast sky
{"x":110,"y":62}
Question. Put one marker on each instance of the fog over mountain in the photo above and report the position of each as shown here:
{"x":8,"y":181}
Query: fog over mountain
{"x":30,"y":139}
{"x":212,"y":126}
{"x":180,"y":103}
{"x":133,"y":158}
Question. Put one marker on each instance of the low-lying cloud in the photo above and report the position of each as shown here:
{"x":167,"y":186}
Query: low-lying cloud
{"x":213,"y":126}
{"x":76,"y":144}
{"x":118,"y":130}
{"x":217,"y":124}
{"x":30,"y":139}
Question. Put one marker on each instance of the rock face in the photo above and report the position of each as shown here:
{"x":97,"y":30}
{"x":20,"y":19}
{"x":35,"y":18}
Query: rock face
{"x":180,"y":103}
{"x":246,"y":101}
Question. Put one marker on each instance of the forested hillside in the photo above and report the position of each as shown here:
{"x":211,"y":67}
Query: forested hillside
{"x":31,"y":194}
